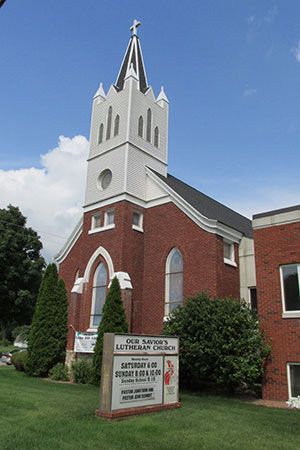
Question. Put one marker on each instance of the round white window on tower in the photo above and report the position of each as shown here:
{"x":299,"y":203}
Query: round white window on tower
{"x":104,"y":179}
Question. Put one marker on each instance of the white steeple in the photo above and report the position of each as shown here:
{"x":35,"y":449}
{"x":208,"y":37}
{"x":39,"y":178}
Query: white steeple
{"x":129,"y":132}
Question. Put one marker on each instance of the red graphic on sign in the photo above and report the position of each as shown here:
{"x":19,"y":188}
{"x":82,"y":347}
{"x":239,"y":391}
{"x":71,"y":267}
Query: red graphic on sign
{"x":170,"y":372}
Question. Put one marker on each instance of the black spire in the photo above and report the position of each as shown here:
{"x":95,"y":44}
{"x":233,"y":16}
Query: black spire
{"x":134,"y":57}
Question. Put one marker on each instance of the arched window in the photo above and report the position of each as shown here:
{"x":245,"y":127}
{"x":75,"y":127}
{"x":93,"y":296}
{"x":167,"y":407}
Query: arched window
{"x":174,"y":281}
{"x":149,"y":120}
{"x":108,"y":129}
{"x":99,"y":295}
{"x":117,"y":125}
{"x":100,"y":135}
{"x":156,"y":137}
{"x":141,"y":127}
{"x":76,"y":275}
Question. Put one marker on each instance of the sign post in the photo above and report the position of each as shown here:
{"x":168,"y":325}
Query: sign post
{"x":139,"y":375}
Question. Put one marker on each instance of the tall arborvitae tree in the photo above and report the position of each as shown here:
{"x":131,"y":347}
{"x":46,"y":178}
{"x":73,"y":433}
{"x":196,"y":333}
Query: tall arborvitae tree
{"x":113,"y":321}
{"x":48,"y":333}
{"x":21,"y":267}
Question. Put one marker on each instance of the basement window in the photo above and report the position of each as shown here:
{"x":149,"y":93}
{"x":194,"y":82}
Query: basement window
{"x":293,"y":373}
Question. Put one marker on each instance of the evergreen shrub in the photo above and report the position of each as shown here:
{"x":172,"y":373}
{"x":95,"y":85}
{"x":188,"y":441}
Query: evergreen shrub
{"x":220,"y":343}
{"x":59,"y":372}
{"x":19,"y":360}
{"x":82,"y":371}
{"x":113,"y":321}
{"x":48,"y":332}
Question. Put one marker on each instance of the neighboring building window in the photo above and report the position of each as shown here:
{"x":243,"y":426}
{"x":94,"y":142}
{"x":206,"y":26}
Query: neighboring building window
{"x":137,"y":221}
{"x":96,"y":221}
{"x":294,"y":380}
{"x":117,"y":125}
{"x":290,"y":276}
{"x":100,"y":135}
{"x":174,"y":281}
{"x":109,"y":118}
{"x":253,"y":298}
{"x":109,"y":218}
{"x":156,"y":137}
{"x":228,"y":252}
{"x":149,"y":122}
{"x":99,"y":294}
{"x":141,"y":127}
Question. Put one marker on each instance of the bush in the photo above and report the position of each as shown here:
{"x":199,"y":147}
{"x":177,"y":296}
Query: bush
{"x":48,"y":332}
{"x":113,"y":321}
{"x":220,"y":342}
{"x":5,"y":343}
{"x":59,"y":373}
{"x":19,"y":360}
{"x":82,"y":372}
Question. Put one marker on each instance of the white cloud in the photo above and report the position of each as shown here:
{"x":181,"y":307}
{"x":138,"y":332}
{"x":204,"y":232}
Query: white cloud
{"x":250,"y":92}
{"x":296,"y":52}
{"x":50,"y":197}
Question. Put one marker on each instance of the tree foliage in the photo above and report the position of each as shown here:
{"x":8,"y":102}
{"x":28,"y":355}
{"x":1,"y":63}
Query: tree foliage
{"x":48,"y":332}
{"x":21,"y":266}
{"x":220,"y":342}
{"x":113,"y":321}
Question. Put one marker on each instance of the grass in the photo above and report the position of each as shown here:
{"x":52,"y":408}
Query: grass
{"x":38,"y":414}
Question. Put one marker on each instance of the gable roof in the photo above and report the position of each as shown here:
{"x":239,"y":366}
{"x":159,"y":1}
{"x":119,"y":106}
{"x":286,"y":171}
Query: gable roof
{"x":207,"y":206}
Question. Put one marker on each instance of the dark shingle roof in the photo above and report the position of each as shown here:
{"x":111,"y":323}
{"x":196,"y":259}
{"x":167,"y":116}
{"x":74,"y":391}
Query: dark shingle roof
{"x":208,"y":206}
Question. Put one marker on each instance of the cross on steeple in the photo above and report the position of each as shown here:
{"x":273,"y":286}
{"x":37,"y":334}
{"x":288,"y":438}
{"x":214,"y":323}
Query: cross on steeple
{"x":134,"y":26}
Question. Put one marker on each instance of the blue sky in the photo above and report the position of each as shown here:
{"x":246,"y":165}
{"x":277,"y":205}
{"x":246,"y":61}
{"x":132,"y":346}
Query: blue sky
{"x":231,"y":70}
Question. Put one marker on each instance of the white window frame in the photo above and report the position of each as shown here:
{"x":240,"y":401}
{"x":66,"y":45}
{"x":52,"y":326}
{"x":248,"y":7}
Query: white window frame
{"x":288,"y":371}
{"x":138,"y":227}
{"x":93,"y":327}
{"x":167,"y":283}
{"x":94,"y":218}
{"x":231,"y":261}
{"x":288,"y":314}
{"x":105,"y":225}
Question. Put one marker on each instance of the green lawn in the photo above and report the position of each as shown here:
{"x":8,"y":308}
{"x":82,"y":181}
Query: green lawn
{"x":38,"y":414}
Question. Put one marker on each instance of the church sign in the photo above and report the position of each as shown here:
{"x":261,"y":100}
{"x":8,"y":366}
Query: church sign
{"x":139,"y":375}
{"x":85,"y":342}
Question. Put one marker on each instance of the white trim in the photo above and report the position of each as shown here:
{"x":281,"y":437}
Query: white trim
{"x":149,"y":153}
{"x":70,"y":242}
{"x":136,"y":228}
{"x":104,"y":228}
{"x":94,"y":295}
{"x":106,"y":224}
{"x":288,"y":371}
{"x":281,"y":218}
{"x":210,"y":225}
{"x":230,"y":263}
{"x":291,"y":313}
{"x":167,"y":281}
{"x":101,"y":251}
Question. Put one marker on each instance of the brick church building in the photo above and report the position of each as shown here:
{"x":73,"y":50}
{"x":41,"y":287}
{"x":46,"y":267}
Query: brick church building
{"x":162,"y":238}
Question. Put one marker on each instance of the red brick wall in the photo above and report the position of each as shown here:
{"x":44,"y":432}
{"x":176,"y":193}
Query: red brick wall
{"x":143,"y":256}
{"x":275,"y":246}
